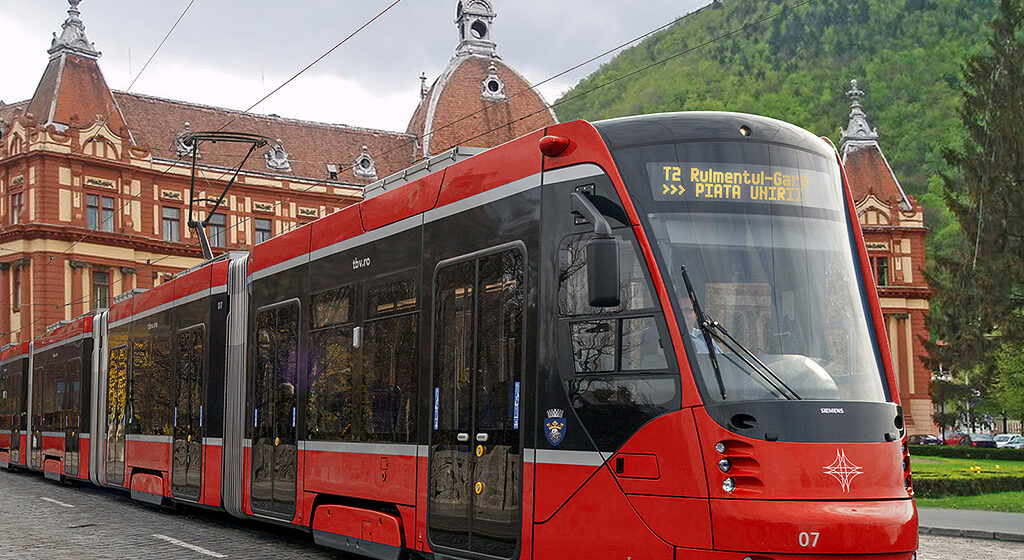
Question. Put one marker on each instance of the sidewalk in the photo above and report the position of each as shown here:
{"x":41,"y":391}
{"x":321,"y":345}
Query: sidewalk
{"x":971,"y":523}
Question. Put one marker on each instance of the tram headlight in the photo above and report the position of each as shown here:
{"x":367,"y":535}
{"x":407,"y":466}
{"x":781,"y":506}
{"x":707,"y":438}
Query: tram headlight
{"x":724,"y":465}
{"x":720,"y":447}
{"x":729,"y":485}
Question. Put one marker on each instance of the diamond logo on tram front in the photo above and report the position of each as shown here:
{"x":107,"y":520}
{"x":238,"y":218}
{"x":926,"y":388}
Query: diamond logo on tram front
{"x":843,"y":470}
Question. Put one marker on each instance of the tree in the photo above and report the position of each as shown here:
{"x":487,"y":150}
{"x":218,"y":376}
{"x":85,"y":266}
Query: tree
{"x":979,"y":293}
{"x":1009,"y":386}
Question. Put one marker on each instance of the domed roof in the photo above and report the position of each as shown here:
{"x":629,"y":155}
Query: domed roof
{"x":478,"y":100}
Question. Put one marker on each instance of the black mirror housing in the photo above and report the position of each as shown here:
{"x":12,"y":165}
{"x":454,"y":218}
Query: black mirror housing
{"x":603,"y":272}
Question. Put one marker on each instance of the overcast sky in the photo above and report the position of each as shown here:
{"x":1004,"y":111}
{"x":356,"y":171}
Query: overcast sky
{"x":229,"y":53}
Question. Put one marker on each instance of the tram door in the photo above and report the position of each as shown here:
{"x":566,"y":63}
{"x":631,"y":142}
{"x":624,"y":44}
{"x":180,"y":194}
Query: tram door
{"x":274,"y":440}
{"x":187,"y":445}
{"x":72,"y":413}
{"x":475,"y":486}
{"x":36,"y":434}
{"x":17,"y":400}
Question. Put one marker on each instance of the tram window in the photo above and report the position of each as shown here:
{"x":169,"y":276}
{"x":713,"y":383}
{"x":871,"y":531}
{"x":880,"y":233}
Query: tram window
{"x":5,"y":400}
{"x":264,"y":375}
{"x":287,"y":368}
{"x":453,"y":345}
{"x":331,"y":391}
{"x":634,"y":292}
{"x":161,"y":391}
{"x":117,"y":374}
{"x":389,"y":378}
{"x":331,"y":366}
{"x":333,"y":307}
{"x":499,"y":339}
{"x":73,"y":402}
{"x":49,"y":396}
{"x":38,"y":379}
{"x":392,"y":298}
{"x":137,"y":387}
{"x":593,"y":345}
{"x":641,"y":347}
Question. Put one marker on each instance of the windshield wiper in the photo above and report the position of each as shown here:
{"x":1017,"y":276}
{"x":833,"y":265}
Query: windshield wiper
{"x":705,"y":329}
{"x":712,"y":328}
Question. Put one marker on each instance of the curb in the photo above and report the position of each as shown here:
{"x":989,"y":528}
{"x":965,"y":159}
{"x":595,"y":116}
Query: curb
{"x":971,"y":534}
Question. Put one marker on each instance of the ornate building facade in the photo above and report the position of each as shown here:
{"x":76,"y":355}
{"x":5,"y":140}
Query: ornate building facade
{"x":894,"y":231}
{"x":95,"y":183}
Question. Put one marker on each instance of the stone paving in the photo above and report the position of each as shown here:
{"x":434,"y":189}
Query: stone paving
{"x":40,"y":519}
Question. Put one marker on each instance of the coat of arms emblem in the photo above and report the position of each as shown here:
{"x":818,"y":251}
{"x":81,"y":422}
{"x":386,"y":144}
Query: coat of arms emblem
{"x":554,"y":426}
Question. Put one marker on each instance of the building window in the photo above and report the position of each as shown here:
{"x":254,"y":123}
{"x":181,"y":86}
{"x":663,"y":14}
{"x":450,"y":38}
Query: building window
{"x":217,"y":230}
{"x":99,"y":212}
{"x":16,"y":206}
{"x":880,"y":265}
{"x":264,"y":229}
{"x":16,"y":288}
{"x":100,"y":289}
{"x":172,"y":225}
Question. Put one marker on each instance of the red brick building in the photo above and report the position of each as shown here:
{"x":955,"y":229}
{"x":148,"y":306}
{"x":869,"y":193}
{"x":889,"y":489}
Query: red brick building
{"x":94,"y":183}
{"x":894,"y":230}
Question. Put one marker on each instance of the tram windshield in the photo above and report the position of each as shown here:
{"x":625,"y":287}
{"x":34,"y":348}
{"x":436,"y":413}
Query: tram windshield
{"x":763,"y":233}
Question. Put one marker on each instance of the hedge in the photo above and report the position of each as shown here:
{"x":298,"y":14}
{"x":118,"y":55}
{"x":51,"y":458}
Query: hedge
{"x":968,"y":486}
{"x":967,"y":452}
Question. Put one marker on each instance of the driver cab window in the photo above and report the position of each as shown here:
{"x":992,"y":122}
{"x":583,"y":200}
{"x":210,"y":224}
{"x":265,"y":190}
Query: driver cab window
{"x":609,"y":339}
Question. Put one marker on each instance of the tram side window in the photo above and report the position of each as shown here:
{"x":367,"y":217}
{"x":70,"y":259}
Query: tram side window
{"x":276,"y":372}
{"x":38,"y":379}
{"x":117,"y":377}
{"x":50,"y":408}
{"x":5,"y":401}
{"x":331,"y":366}
{"x":617,"y":376}
{"x":623,"y":338}
{"x":6,"y":419}
{"x":73,"y":401}
{"x":389,"y":375}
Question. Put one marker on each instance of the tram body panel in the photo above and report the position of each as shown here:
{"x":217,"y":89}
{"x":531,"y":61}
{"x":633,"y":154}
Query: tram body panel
{"x":62,"y":380}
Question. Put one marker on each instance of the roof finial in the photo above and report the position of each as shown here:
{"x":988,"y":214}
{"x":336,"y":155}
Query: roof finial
{"x":423,"y":85}
{"x":72,"y":38}
{"x":475,"y":19}
{"x":858,"y":132}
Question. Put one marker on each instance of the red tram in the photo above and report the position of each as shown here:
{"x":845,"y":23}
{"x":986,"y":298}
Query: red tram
{"x":649,"y":337}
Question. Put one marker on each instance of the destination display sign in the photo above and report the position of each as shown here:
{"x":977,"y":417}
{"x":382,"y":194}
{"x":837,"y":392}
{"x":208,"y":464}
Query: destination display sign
{"x":672,"y":181}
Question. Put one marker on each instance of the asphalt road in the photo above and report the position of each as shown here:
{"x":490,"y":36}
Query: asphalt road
{"x":42,"y":520}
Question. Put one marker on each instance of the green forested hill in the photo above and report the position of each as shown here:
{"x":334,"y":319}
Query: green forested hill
{"x":906,"y":54}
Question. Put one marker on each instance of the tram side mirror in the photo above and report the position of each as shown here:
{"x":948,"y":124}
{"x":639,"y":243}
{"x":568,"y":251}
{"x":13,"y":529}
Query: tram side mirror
{"x":603,"y":272}
{"x":602,"y":255}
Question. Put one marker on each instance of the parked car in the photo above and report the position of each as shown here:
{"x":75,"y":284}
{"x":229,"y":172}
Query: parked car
{"x":1015,"y":442}
{"x":924,"y":439}
{"x":956,"y":438}
{"x":973,"y":440}
{"x":1003,"y":439}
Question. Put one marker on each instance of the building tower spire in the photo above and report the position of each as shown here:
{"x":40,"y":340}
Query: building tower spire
{"x":475,"y":20}
{"x":72,"y":38}
{"x":858,"y":133}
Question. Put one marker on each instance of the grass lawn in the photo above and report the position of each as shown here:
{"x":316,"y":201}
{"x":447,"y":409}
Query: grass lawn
{"x":941,"y":467}
{"x":1012,"y":502}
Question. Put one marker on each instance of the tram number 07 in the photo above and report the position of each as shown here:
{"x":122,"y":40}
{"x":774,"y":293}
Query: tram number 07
{"x":808,"y":539}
